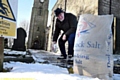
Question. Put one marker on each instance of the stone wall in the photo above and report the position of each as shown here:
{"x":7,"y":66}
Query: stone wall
{"x":78,"y":7}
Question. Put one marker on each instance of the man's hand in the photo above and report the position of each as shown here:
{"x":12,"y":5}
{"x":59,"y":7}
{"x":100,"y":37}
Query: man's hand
{"x":64,"y":37}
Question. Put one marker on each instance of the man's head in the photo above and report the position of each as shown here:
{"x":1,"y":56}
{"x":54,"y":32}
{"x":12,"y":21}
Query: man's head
{"x":59,"y":14}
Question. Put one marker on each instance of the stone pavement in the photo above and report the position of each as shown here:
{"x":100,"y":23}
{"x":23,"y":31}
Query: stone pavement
{"x":43,"y":56}
{"x":32,"y":56}
{"x":46,"y":57}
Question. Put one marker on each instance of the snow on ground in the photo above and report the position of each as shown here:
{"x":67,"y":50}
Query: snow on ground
{"x":38,"y":71}
{"x":8,"y":51}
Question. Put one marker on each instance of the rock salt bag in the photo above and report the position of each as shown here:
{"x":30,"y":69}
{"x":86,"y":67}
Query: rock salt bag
{"x":93,"y":47}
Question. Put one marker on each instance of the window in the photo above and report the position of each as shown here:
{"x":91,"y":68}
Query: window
{"x":40,"y":11}
{"x":38,"y":29}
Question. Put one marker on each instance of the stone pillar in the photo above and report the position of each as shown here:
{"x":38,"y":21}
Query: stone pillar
{"x":1,"y":53}
{"x":117,"y":44}
{"x":103,"y":7}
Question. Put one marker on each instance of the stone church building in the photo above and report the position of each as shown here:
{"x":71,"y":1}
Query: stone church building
{"x":96,"y":7}
{"x":37,"y":33}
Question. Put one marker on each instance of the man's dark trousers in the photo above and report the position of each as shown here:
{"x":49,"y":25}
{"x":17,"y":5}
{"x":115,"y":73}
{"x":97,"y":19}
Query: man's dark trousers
{"x":70,"y":40}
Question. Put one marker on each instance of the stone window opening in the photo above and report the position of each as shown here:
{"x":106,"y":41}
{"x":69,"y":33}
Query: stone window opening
{"x":38,"y":29}
{"x":40,"y":11}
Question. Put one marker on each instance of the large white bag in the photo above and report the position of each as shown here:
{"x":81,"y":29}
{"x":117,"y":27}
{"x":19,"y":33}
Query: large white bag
{"x":93,"y":47}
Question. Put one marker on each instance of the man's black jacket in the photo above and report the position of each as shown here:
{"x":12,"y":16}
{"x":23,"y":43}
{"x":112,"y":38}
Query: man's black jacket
{"x":68,"y":25}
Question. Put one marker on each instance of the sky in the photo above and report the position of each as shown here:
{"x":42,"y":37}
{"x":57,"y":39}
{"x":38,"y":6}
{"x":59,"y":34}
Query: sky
{"x":25,"y":9}
{"x":39,"y":71}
